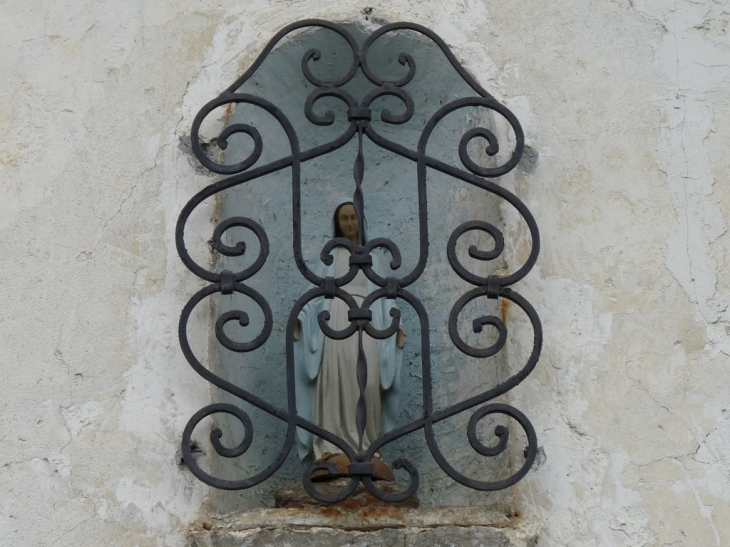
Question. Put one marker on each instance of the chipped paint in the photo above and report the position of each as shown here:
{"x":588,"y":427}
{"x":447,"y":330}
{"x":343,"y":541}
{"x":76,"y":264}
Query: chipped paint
{"x":627,"y":104}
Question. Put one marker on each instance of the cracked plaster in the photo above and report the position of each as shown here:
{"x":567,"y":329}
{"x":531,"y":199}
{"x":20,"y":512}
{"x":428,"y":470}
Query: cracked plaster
{"x":628,"y":104}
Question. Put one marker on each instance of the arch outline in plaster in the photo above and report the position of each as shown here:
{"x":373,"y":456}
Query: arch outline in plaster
{"x":359,"y":116}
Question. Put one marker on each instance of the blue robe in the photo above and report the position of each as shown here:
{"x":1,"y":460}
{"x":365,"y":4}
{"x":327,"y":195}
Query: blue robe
{"x":308,"y":358}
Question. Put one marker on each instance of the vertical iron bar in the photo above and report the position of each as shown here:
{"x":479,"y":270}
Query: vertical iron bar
{"x":357,"y":199}
{"x":361,"y":411}
{"x":362,"y":381}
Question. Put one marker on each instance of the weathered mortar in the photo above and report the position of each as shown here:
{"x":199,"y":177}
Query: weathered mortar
{"x":463,"y":526}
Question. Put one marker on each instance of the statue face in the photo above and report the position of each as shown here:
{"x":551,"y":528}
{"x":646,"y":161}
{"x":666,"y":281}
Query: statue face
{"x":347,"y":220}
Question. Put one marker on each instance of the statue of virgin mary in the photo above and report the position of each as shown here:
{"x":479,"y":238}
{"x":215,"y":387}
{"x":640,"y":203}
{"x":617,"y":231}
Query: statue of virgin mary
{"x":325,"y":369}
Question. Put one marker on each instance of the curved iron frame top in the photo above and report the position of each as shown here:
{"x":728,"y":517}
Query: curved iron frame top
{"x":359,"y":115}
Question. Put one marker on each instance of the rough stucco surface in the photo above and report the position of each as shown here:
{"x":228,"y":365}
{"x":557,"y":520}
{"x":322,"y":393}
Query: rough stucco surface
{"x":628,"y":104}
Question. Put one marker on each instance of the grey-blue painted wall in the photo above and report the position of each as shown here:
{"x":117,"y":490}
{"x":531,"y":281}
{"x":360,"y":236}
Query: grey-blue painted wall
{"x":391,"y":210}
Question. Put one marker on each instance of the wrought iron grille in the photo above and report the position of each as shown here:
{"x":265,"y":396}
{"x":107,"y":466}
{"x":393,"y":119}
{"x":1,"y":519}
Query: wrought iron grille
{"x":359,"y":115}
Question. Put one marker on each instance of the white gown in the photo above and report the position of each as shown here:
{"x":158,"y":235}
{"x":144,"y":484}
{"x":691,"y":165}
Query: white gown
{"x":336,"y":391}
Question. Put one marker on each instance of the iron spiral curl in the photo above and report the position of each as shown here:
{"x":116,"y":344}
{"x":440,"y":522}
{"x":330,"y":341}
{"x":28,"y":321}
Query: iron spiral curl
{"x":360,"y":114}
{"x":503,"y":435}
{"x":226,"y":452}
{"x":410,"y":490}
{"x":243,"y":321}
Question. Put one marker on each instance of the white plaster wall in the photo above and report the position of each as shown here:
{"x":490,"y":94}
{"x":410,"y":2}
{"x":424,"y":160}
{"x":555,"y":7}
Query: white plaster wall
{"x":628,"y":104}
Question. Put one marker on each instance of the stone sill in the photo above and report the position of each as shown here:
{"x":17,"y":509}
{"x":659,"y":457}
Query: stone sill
{"x":376,"y":526}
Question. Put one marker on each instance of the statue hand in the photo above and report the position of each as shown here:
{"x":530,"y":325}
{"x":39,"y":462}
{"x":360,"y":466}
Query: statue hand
{"x":297,"y":330}
{"x":400,"y":338}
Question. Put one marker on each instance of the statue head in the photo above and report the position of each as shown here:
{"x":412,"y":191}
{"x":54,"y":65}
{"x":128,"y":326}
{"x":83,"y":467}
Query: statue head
{"x":346,"y":223}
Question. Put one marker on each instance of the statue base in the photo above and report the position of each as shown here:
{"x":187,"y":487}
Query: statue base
{"x":296,"y":497}
{"x":334,"y":526}
{"x":381,"y":470}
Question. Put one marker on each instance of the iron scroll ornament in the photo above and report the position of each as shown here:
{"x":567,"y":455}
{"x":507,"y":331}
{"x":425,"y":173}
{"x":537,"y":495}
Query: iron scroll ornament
{"x":359,"y":115}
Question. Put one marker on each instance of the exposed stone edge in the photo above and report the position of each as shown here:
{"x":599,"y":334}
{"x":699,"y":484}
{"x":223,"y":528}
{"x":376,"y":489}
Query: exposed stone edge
{"x":522,"y":535}
{"x":361,"y":520}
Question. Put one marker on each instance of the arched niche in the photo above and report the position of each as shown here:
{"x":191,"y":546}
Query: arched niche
{"x":391,"y":209}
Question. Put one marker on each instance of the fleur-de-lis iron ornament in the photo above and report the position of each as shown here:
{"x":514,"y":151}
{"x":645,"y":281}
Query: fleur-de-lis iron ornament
{"x":359,"y":115}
